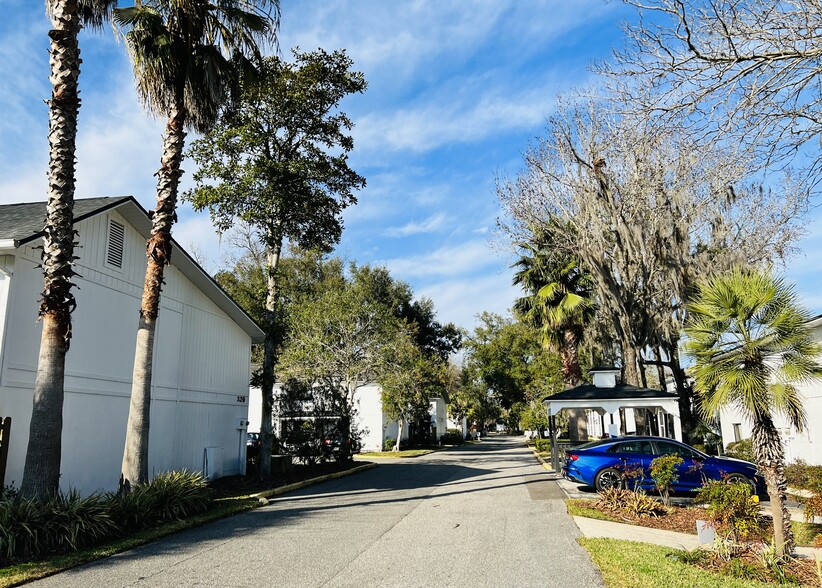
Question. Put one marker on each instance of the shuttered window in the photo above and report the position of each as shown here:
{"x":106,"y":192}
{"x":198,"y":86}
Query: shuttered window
{"x":116,"y":237}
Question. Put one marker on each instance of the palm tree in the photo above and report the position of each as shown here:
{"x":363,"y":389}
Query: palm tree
{"x":41,"y":473}
{"x":750,"y":344}
{"x":559,"y":302}
{"x":187,"y":56}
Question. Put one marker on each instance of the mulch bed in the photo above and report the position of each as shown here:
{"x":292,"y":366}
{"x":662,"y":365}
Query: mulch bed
{"x":680,"y":519}
{"x":244,"y":485}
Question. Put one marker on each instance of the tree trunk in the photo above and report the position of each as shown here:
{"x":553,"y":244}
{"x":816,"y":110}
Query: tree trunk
{"x":660,"y":369}
{"x":572,"y":376}
{"x":630,"y":364}
{"x":770,"y":456}
{"x":399,"y":434}
{"x":684,"y":392}
{"x":158,"y":253}
{"x":41,"y":472}
{"x":274,"y":246}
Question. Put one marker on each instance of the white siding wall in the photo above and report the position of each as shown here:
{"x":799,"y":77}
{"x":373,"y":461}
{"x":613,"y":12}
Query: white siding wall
{"x":201,"y":367}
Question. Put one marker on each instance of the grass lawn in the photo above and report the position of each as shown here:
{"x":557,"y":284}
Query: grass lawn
{"x":627,"y":564}
{"x":27,"y":572}
{"x":805,"y":533}
{"x":403,"y":453}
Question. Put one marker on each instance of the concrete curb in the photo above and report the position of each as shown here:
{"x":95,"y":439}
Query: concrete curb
{"x":544,"y":463}
{"x":264,"y":495}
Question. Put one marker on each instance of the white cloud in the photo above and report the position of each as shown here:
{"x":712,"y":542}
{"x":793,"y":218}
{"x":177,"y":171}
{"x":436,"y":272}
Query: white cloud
{"x":459,"y":301}
{"x":449,"y":260}
{"x":432,"y":224}
{"x":441,"y":123}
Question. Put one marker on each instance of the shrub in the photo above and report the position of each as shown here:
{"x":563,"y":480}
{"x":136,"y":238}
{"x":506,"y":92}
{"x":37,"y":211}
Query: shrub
{"x":30,"y":527}
{"x":741,"y":450}
{"x":388,"y":444}
{"x":628,"y":502}
{"x":542,"y":445}
{"x":452,"y":438}
{"x":804,"y":476}
{"x":732,"y":509}
{"x":664,"y":473}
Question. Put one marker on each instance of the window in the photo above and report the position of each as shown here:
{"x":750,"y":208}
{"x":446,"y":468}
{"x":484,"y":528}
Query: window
{"x":636,"y":447}
{"x":737,"y":432}
{"x":672,"y":448}
{"x":114,"y":247}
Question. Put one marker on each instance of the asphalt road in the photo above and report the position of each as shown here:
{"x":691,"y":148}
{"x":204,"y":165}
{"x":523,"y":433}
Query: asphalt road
{"x":479,"y":515}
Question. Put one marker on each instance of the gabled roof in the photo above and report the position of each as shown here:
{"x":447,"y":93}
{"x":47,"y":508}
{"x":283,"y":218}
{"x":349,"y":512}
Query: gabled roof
{"x":618,"y":392}
{"x":22,"y":223}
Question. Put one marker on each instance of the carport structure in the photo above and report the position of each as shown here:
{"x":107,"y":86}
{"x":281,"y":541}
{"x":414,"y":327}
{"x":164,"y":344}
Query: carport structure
{"x":610,"y":400}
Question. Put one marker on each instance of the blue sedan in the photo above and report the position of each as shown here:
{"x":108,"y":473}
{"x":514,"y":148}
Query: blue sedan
{"x":623,"y":462}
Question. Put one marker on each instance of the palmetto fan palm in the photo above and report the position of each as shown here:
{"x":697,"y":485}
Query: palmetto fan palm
{"x":748,"y":337}
{"x":41,"y":474}
{"x":187,"y":56}
{"x":558,"y":301}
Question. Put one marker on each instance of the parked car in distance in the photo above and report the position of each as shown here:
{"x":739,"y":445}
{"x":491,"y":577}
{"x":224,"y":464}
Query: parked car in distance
{"x":622,"y":462}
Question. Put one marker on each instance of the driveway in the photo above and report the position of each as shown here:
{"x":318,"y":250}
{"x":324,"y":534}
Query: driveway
{"x":479,"y":515}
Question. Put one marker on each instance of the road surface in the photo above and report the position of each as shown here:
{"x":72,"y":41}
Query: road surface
{"x":479,"y":515}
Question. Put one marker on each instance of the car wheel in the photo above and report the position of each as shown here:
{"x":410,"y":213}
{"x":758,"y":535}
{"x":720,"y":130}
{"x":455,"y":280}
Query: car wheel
{"x":738,"y":479}
{"x":609,"y":478}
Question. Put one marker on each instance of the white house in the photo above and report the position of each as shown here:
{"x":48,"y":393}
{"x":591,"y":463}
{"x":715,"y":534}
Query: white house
{"x":202,"y":350}
{"x":806,"y":445}
{"x":370,"y":419}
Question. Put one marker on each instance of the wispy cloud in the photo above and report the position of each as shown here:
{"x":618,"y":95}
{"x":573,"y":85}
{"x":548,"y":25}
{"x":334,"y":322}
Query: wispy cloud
{"x":432,"y":224}
{"x":450,"y":260}
{"x":459,"y":301}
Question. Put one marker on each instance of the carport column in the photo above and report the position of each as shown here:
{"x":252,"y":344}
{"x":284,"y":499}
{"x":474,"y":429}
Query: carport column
{"x":677,"y":427}
{"x":554,"y":438}
{"x":614,"y":419}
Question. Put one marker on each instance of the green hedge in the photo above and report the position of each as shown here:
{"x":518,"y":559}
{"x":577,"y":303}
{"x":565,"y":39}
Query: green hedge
{"x":31,"y":527}
{"x":452,"y":438}
{"x":542,"y":445}
{"x":388,"y":444}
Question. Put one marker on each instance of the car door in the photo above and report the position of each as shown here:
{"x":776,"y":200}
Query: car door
{"x":634,"y":460}
{"x":690,"y":470}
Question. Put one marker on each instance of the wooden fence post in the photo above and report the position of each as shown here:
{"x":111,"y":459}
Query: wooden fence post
{"x":5,"y":438}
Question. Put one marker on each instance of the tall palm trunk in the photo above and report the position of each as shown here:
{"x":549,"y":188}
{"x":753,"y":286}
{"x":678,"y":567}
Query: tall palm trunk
{"x":41,"y":473}
{"x":158,"y":252}
{"x":770,"y":456}
{"x":572,"y":375}
{"x":273,"y":252}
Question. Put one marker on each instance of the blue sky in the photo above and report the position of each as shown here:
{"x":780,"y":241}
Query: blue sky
{"x":457,"y":89}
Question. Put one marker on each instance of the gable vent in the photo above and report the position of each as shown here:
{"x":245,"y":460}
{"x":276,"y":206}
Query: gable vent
{"x":116,"y":237}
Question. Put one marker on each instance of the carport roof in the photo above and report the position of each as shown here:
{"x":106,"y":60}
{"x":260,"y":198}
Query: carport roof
{"x":618,"y":392}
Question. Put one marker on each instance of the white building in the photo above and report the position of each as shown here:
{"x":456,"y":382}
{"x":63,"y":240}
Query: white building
{"x":370,"y":419}
{"x":202,"y":350}
{"x":806,"y":445}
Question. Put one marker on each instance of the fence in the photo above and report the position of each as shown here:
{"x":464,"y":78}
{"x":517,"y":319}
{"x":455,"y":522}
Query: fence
{"x":5,"y":437}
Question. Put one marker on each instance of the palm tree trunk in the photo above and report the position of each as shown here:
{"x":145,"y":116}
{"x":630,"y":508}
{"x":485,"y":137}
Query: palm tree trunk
{"x":572,"y":375}
{"x":41,"y":472}
{"x":158,"y":253}
{"x":770,"y":456}
{"x":273,"y":251}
